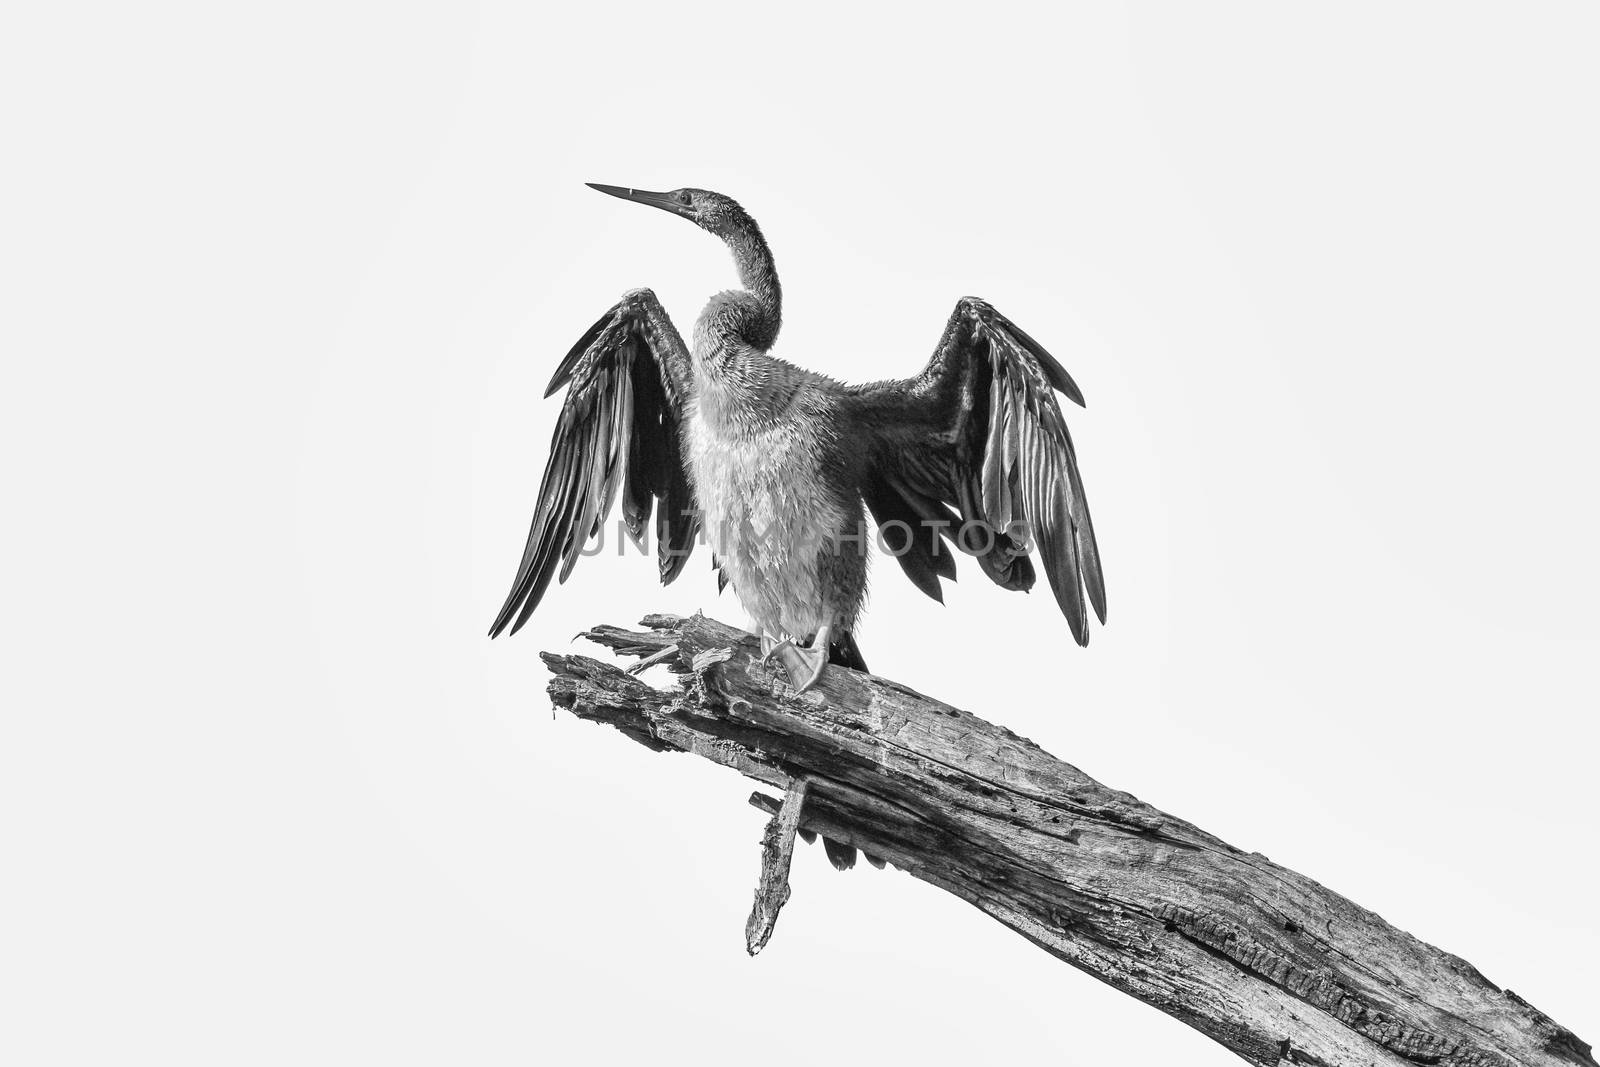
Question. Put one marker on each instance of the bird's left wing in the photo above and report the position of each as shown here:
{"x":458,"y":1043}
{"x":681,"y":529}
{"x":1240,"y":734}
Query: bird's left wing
{"x":979,"y":431}
{"x":628,"y":380}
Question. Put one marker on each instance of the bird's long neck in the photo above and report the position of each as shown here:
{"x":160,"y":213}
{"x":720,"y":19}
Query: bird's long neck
{"x":760,"y":317}
{"x":733,"y":379}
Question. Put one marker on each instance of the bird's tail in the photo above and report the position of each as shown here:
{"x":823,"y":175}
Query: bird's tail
{"x":843,"y":652}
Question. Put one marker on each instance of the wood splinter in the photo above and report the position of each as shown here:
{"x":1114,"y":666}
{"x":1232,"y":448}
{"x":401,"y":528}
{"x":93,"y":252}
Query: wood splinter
{"x":652,"y":660}
{"x":777,"y":850}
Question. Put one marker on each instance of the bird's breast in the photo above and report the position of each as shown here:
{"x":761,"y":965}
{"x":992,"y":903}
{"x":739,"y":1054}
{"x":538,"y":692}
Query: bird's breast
{"x":762,"y":483}
{"x":768,"y":513}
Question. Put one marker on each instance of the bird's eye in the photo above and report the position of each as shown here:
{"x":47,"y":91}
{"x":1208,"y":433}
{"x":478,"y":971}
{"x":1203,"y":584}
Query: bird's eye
{"x":683,"y":197}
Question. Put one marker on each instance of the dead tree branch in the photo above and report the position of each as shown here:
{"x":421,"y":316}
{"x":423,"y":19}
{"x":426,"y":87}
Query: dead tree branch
{"x":1265,"y":961}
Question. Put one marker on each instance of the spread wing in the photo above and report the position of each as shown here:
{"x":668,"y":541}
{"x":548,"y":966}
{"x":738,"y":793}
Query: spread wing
{"x":628,"y":380}
{"x":975,"y":449}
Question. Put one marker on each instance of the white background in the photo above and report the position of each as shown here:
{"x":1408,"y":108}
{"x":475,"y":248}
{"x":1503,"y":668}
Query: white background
{"x":283,"y":285}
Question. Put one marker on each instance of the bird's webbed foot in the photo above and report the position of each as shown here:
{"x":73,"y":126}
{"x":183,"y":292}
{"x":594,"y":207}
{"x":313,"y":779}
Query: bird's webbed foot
{"x":770,"y":648}
{"x":803,"y":665}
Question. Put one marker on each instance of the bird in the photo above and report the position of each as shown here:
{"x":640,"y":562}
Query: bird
{"x":790,"y":475}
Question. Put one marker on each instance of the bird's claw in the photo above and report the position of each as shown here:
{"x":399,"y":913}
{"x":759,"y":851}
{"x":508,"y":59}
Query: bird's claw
{"x":770,"y":648}
{"x":802,"y":665}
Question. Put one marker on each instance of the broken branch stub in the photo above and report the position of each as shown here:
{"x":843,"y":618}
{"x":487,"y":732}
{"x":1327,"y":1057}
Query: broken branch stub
{"x":777,"y":850}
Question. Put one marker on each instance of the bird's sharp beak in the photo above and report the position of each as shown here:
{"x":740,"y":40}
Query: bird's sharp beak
{"x":664,"y":201}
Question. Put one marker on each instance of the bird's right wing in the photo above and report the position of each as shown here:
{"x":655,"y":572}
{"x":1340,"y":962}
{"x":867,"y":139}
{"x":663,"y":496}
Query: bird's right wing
{"x":628,"y":381}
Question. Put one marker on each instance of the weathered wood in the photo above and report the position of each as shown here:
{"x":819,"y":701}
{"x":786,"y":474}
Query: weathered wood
{"x":1263,"y":960}
{"x":777,"y":850}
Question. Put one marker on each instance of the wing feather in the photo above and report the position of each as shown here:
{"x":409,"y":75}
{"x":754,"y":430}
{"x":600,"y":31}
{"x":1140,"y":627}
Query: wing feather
{"x":996,"y":475}
{"x":980,"y":430}
{"x":916,"y":557}
{"x":617,"y":434}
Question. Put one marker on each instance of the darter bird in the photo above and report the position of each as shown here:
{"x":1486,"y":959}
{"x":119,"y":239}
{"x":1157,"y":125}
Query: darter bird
{"x":777,"y":466}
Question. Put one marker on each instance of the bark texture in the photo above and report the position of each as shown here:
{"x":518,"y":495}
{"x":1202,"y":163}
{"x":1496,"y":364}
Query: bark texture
{"x":1265,"y":961}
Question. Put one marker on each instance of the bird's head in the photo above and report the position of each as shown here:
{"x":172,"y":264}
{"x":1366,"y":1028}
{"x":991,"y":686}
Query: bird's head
{"x":710,"y":211}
